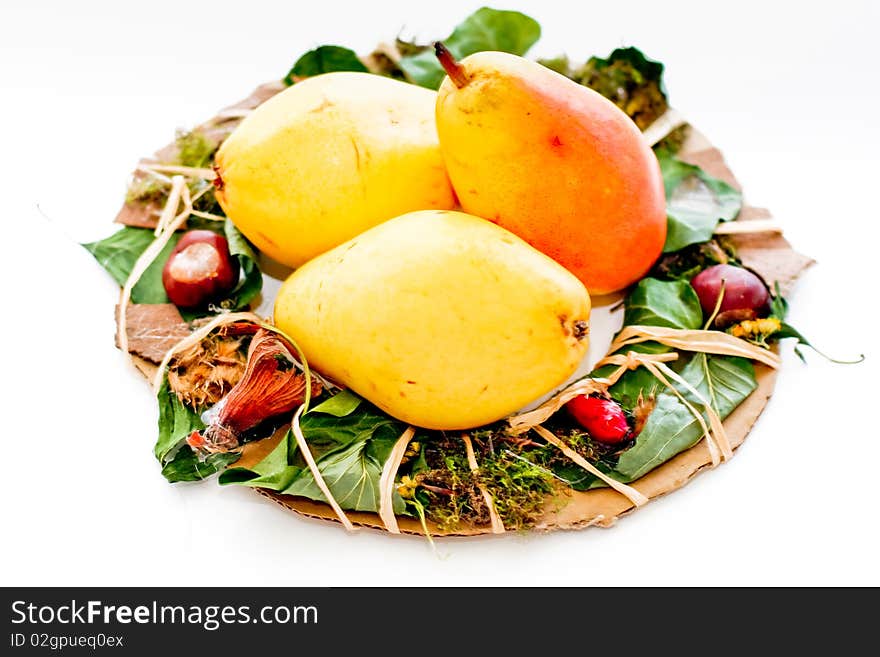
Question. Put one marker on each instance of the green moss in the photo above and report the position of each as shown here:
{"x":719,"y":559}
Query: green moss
{"x":450,"y":494}
{"x":518,"y":487}
{"x":675,"y":139}
{"x":447,"y":488}
{"x":691,"y":260}
{"x":192,"y":149}
{"x":621,"y":82}
{"x":146,"y":190}
{"x":559,"y":64}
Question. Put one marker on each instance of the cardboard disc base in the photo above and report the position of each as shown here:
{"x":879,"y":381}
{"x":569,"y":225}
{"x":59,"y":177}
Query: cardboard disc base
{"x":767,"y":253}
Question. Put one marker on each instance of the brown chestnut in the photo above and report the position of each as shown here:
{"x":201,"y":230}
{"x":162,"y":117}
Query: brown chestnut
{"x":200,"y":269}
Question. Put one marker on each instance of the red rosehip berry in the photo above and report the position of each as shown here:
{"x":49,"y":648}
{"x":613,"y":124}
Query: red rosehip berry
{"x":602,"y":418}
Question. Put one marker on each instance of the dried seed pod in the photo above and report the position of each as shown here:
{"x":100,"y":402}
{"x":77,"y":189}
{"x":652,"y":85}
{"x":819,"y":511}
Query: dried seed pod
{"x":271,"y":385}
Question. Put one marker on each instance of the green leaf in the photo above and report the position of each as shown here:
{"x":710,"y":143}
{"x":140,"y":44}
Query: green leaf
{"x":663,"y":303}
{"x":326,"y":432}
{"x":325,"y":59}
{"x":485,"y":29}
{"x":652,"y":302}
{"x":118,"y":253}
{"x":724,"y":381}
{"x":789,"y":331}
{"x":176,"y":422}
{"x":670,"y":429}
{"x":695,"y":202}
{"x":339,"y":405}
{"x":273,"y":472}
{"x":179,"y":461}
{"x":251,"y":282}
{"x":579,"y":479}
{"x":352,"y":474}
{"x":779,"y":309}
{"x":350,"y":441}
{"x":186,"y":466}
{"x":778,"y":303}
{"x":634,"y":384}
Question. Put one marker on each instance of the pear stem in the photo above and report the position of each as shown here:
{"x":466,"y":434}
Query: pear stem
{"x":453,"y":69}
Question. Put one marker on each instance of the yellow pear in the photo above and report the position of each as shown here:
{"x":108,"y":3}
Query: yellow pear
{"x":553,"y":162}
{"x":441,"y":319}
{"x":328,"y":158}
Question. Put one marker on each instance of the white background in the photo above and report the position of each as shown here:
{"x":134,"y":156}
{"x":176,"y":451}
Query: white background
{"x":789,"y":91}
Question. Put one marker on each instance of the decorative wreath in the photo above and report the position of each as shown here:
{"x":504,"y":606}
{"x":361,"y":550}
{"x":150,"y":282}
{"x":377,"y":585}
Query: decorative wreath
{"x":687,"y":373}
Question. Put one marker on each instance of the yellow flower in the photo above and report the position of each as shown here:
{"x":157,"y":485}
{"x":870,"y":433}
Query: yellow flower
{"x":755,"y":329}
{"x":412,"y":450}
{"x":407,"y":487}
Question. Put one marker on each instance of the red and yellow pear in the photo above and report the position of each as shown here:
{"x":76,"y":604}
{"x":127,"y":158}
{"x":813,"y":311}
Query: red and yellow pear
{"x":555,"y":163}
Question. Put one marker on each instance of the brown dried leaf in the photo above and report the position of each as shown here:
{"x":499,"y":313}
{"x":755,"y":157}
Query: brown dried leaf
{"x":770,"y":254}
{"x":152,"y":329}
{"x":712,"y":162}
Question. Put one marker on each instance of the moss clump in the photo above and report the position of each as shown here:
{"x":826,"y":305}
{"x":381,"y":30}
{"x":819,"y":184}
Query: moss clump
{"x":192,"y":149}
{"x":146,"y":190}
{"x":447,"y":488}
{"x":675,"y":139}
{"x":518,"y":487}
{"x":691,"y":260}
{"x":625,"y":85}
{"x":509,"y":470}
{"x":631,"y":81}
{"x":521,"y":473}
{"x":560,"y":64}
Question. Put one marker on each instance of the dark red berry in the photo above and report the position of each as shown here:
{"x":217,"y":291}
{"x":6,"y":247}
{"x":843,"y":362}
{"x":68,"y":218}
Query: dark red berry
{"x":744,"y":292}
